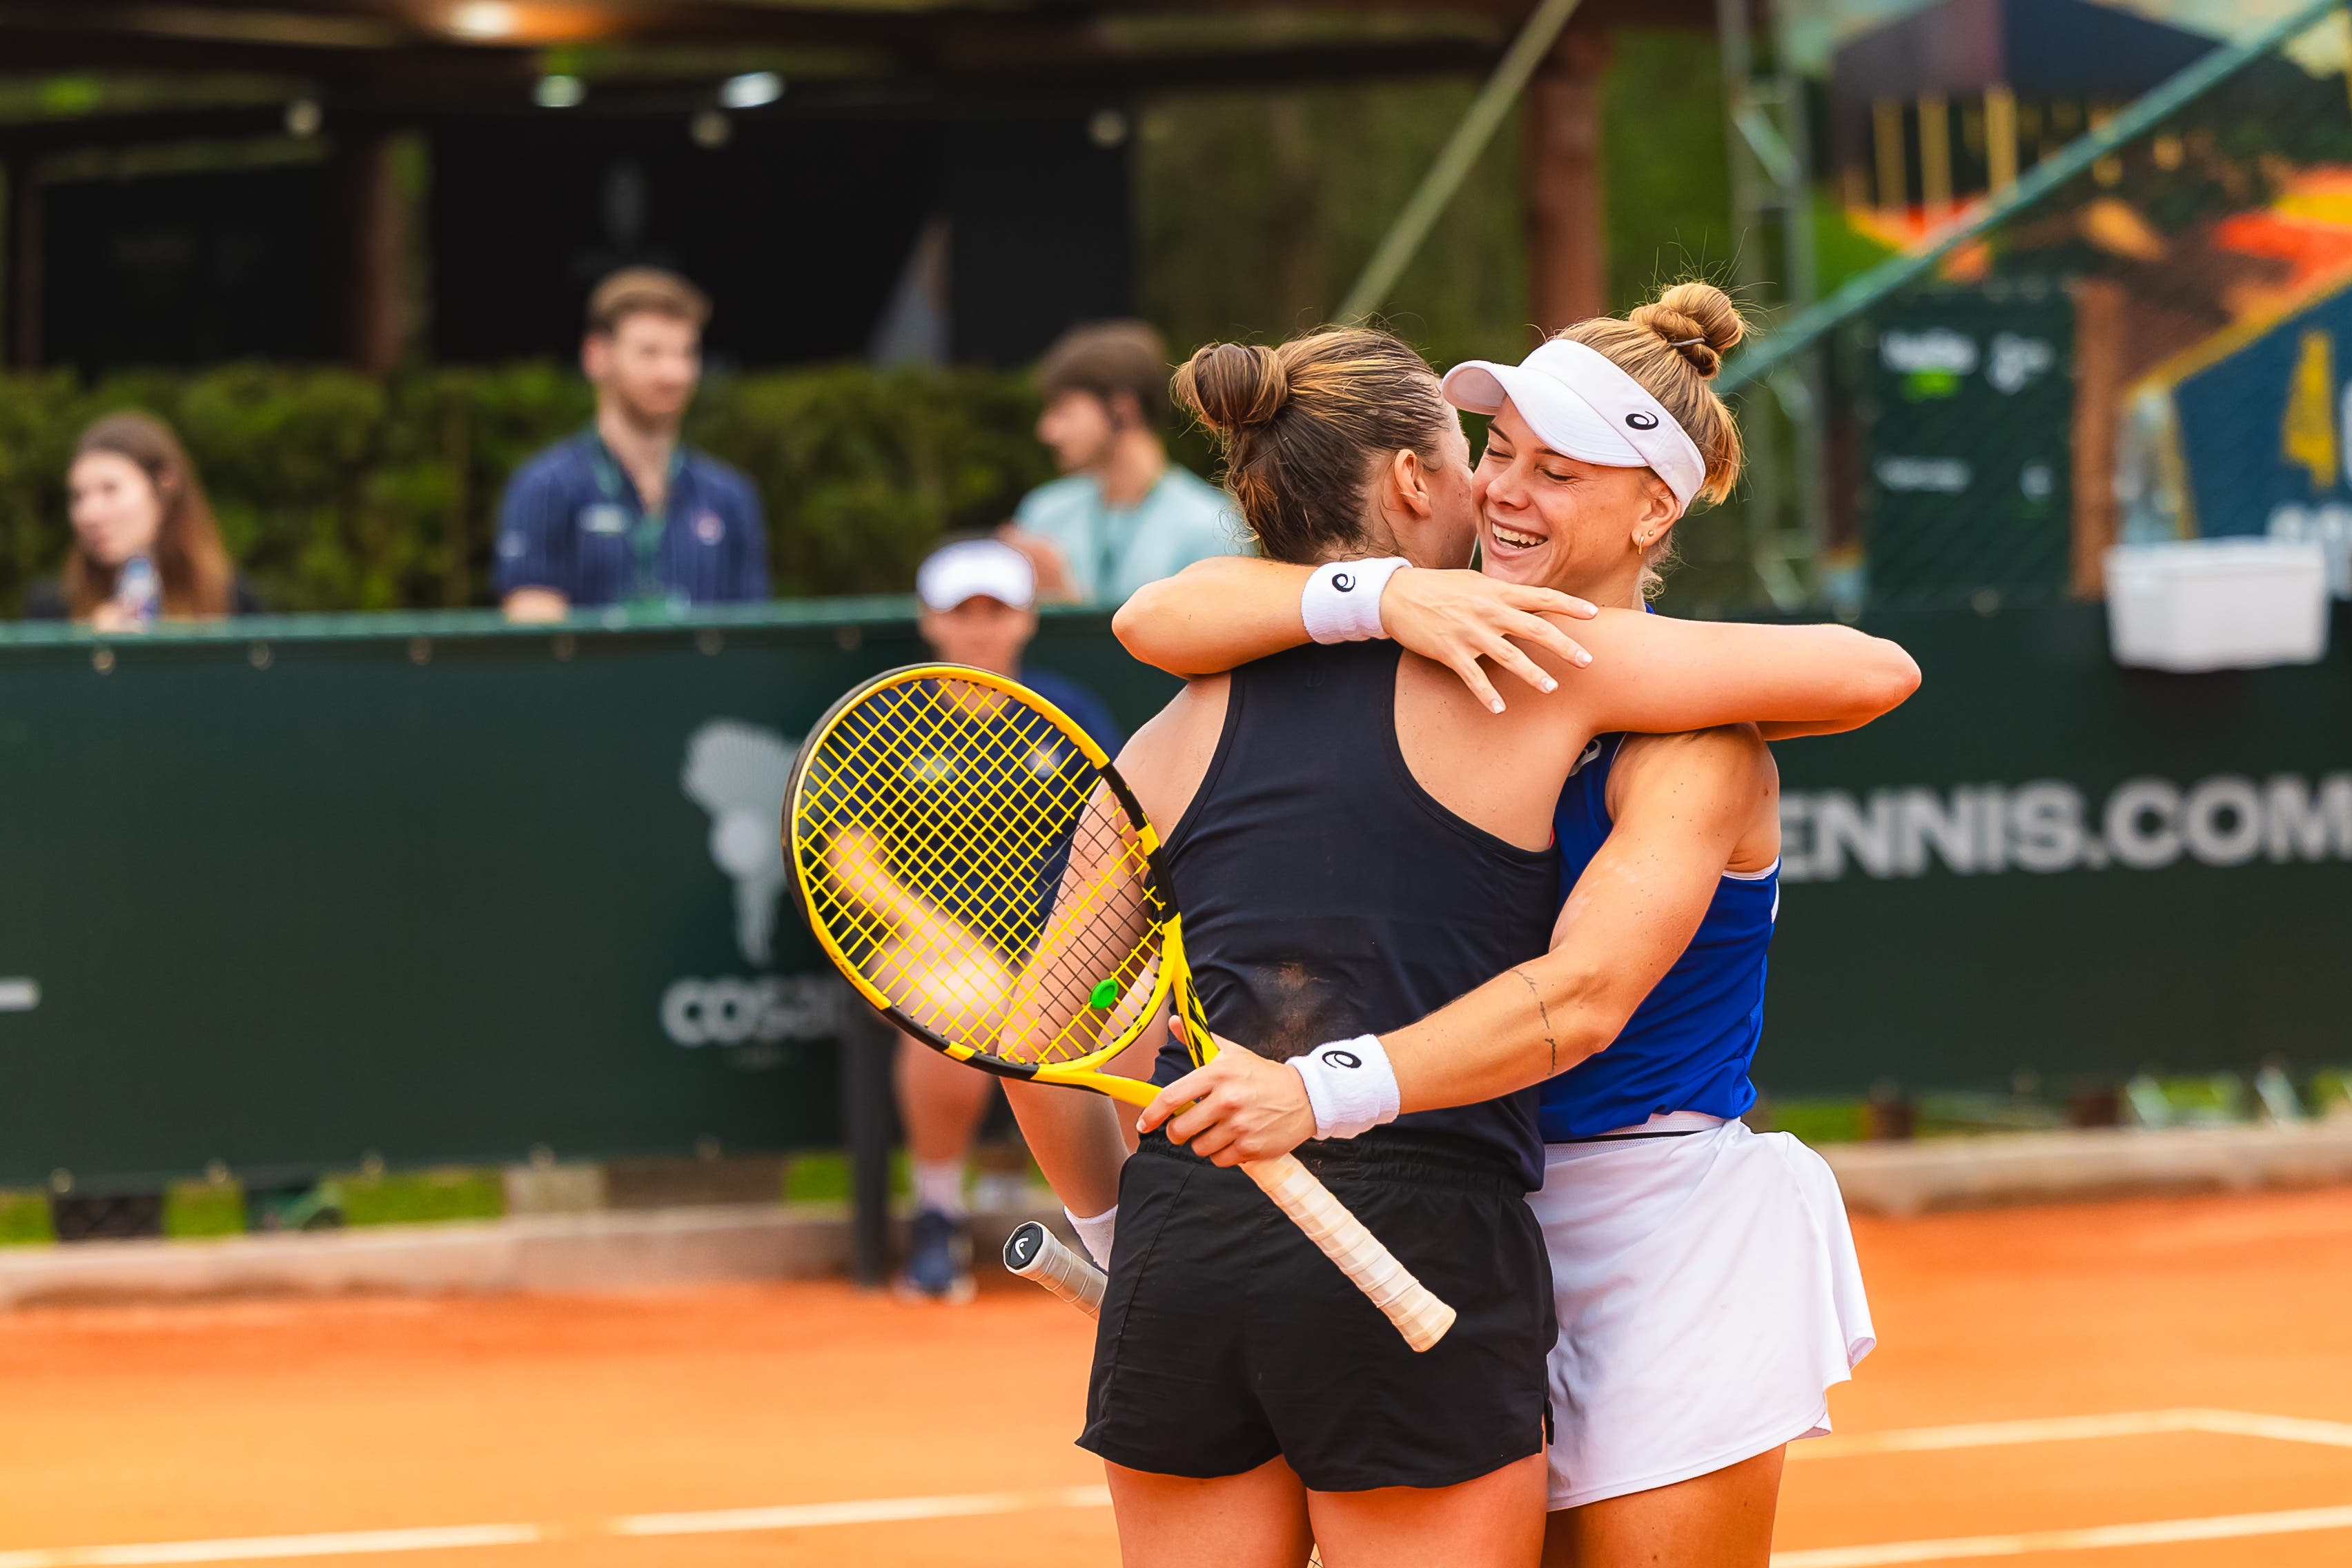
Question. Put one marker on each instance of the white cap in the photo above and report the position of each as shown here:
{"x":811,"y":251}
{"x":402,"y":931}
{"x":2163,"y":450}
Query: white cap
{"x":971,"y":567}
{"x":1580,"y":404}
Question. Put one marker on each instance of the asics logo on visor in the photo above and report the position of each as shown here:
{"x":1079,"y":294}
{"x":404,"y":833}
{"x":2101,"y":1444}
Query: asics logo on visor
{"x":1641,"y":419}
{"x":1343,"y":582}
{"x":1343,"y":1059}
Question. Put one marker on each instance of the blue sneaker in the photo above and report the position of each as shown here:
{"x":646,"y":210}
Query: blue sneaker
{"x":938,"y":1258}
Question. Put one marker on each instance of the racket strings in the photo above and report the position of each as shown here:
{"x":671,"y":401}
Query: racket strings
{"x":1077,"y":962}
{"x":934,"y":845}
{"x":969,"y":863}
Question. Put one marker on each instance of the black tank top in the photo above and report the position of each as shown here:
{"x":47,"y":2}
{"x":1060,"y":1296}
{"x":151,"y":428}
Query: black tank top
{"x":1325,"y":894}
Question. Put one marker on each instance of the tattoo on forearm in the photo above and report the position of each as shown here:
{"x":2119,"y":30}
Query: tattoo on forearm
{"x":1542,"y":1012}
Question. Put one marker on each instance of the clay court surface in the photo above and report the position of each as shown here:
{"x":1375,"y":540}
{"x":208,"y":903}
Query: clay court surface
{"x":806,"y":1425}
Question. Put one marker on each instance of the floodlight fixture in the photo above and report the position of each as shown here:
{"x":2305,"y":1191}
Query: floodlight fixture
{"x":483,"y":19}
{"x":751,"y":89}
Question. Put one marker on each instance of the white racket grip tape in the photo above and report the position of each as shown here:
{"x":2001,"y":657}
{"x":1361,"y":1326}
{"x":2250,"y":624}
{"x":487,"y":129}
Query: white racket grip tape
{"x":1036,"y":1253}
{"x":1417,"y":1315}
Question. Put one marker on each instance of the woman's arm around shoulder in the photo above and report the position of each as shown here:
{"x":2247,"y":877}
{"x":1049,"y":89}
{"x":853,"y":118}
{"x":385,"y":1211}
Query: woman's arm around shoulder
{"x":1658,"y":675}
{"x":1219,"y":613}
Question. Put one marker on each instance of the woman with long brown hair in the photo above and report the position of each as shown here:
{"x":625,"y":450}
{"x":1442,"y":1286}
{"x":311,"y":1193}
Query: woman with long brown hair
{"x":145,"y":545}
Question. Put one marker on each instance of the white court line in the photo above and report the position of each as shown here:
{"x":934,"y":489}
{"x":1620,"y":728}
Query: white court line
{"x":258,"y":1547}
{"x":2155,"y":1533}
{"x":361,"y":1543}
{"x":2287,"y":1428}
{"x":886,"y":1511}
{"x":878,"y":1510}
{"x":1997,"y":1433}
{"x":2065,"y":1428}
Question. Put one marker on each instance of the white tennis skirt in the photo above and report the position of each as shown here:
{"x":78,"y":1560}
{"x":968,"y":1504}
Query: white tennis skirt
{"x":1710,"y":1297}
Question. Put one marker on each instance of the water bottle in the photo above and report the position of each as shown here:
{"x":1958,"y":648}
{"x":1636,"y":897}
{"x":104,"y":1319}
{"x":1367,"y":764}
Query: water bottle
{"x":137,"y":591}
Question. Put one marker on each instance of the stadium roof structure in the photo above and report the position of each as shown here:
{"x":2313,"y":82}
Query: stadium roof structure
{"x":407,"y":56}
{"x":2016,"y":79}
{"x":92,"y":89}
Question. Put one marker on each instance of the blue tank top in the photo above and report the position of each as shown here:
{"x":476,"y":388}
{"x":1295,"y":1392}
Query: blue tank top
{"x":1688,"y":1044}
{"x":1325,"y":894}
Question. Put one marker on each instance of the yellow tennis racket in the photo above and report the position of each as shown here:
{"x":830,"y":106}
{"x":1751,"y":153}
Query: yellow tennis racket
{"x":969,"y":859}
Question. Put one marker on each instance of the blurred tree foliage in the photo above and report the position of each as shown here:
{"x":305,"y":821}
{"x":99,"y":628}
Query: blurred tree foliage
{"x":1256,"y":210}
{"x":335,"y":491}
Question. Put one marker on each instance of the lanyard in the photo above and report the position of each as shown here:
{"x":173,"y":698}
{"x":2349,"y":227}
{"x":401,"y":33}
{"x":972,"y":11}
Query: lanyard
{"x":646,"y":531}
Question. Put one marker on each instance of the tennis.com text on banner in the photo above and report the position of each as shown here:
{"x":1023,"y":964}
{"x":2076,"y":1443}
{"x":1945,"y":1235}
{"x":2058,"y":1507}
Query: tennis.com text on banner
{"x":2049,"y":825}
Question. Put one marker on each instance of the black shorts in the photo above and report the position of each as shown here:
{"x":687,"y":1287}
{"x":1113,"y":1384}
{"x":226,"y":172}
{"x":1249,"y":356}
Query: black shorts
{"x":1228,"y":1338}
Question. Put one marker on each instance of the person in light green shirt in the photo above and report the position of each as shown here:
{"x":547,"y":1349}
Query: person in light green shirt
{"x":1125,"y":515}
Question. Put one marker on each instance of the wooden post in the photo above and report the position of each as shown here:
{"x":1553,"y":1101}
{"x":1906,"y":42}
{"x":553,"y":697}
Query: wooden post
{"x":2001,"y":138}
{"x":1935,"y":159}
{"x":2098,"y":412}
{"x":373,"y":241}
{"x":1887,"y":145}
{"x":23,"y":263}
{"x":1568,"y":231}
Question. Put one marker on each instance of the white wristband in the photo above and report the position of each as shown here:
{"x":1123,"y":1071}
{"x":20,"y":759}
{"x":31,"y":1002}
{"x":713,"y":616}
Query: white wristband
{"x":1095,"y":1232}
{"x":1350,"y":1085}
{"x":1342,"y":601}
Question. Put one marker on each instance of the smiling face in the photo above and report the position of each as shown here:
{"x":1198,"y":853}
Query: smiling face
{"x":1556,"y":521}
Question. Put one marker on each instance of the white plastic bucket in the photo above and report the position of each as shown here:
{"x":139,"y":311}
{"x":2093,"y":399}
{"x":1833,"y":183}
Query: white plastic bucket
{"x":2218,"y":603}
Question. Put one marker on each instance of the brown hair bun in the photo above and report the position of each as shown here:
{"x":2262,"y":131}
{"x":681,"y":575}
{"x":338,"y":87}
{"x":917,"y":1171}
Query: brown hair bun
{"x":1233,"y":386}
{"x":1307,"y":428}
{"x":1697,"y":321}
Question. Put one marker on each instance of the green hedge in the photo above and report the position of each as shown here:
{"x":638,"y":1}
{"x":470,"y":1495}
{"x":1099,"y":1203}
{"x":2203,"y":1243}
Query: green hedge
{"x":336,"y":491}
{"x":416,"y":1197}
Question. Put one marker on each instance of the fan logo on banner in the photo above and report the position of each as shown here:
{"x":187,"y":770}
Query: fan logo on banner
{"x":738,"y":774}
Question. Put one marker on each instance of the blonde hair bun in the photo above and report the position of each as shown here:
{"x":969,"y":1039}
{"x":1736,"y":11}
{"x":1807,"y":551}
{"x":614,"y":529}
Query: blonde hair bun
{"x":1233,"y":386}
{"x":1697,"y":321}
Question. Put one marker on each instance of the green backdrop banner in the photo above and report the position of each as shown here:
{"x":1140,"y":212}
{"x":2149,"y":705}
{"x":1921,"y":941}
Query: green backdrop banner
{"x":300,"y":890}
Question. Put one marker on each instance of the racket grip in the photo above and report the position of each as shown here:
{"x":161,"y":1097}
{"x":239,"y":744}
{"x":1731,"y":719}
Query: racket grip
{"x":1409,"y":1304}
{"x":1033,"y":1252}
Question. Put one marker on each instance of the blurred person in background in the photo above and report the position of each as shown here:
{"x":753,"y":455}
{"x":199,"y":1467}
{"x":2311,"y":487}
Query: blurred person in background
{"x":978,"y":603}
{"x":145,"y":545}
{"x":1125,"y":515}
{"x":623,"y":513}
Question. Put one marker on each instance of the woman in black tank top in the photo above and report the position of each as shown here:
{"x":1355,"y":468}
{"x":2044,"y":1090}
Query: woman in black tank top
{"x":1248,"y":1400}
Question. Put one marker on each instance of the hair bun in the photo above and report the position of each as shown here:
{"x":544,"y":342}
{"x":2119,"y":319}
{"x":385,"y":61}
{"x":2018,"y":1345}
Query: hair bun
{"x":1698,"y":320}
{"x":1232,"y":386}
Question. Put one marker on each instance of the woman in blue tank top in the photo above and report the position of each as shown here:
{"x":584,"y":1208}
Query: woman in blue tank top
{"x":1704,"y":1275}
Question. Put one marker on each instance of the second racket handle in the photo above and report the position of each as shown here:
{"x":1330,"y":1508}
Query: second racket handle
{"x":1033,"y":1252}
{"x":1417,"y":1313}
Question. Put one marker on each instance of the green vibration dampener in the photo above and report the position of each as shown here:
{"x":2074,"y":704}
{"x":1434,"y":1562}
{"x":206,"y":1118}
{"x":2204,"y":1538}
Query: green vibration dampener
{"x":1103,"y":996}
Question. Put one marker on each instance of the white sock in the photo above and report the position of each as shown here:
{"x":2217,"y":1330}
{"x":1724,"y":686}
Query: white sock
{"x":938,"y":1185}
{"x":1096,"y":1232}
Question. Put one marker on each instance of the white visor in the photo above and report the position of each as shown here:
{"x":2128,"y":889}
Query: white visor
{"x":971,"y":567}
{"x":1580,"y":404}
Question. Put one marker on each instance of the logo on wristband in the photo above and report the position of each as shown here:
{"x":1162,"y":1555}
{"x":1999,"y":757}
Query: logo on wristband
{"x":1343,"y":582}
{"x":1343,"y":1059}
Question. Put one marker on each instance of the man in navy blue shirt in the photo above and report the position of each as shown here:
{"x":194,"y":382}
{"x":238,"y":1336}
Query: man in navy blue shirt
{"x":977,"y":598}
{"x":622,"y":513}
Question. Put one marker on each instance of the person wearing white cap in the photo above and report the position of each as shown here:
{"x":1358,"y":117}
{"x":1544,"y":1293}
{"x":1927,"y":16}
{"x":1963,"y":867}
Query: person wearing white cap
{"x":1704,"y":1279}
{"x":977,"y":600}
